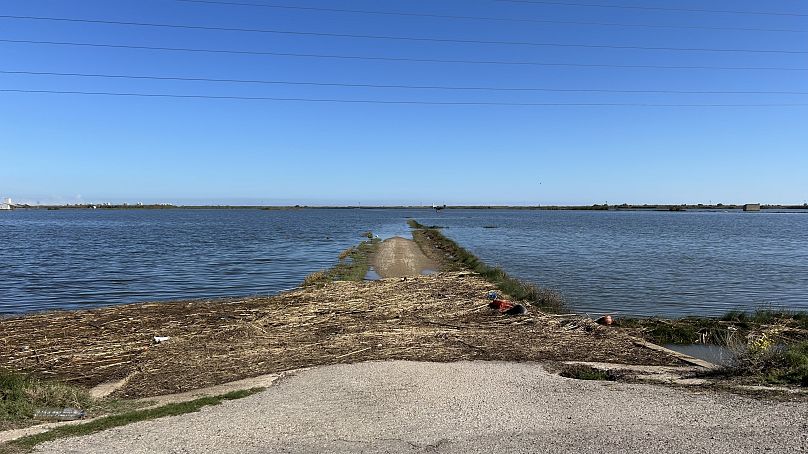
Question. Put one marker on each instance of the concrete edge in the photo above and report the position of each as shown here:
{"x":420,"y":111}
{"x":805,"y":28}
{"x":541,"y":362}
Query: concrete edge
{"x":105,"y":389}
{"x":677,"y":375}
{"x":648,"y":374}
{"x":262,"y":381}
{"x":686,"y":358}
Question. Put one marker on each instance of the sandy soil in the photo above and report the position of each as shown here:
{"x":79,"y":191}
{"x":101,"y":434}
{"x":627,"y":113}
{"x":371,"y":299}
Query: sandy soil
{"x":439,"y":318}
{"x":399,"y":257}
{"x":465,"y":407}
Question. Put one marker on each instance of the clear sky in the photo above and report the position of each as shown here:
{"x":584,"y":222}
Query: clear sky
{"x":71,"y":148}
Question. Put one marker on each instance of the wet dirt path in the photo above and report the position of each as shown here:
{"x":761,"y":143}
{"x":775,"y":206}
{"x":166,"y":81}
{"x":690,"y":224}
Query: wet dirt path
{"x":400,"y":257}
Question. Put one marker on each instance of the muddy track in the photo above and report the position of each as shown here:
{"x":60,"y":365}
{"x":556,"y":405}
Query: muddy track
{"x":400,"y":257}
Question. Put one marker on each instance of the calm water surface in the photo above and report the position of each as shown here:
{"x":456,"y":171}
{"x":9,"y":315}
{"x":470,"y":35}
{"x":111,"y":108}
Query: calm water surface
{"x":72,"y":258}
{"x":641,"y":263}
{"x":648,"y":263}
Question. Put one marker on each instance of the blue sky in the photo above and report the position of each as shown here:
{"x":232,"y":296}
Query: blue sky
{"x":70,"y":148}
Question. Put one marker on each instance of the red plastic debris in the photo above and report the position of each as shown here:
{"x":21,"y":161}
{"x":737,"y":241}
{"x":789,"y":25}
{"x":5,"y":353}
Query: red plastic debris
{"x":605,"y":320}
{"x":500,"y":305}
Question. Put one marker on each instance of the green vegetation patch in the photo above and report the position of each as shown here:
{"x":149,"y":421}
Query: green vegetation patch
{"x":353,"y":265}
{"x":771,"y":346}
{"x":770,"y":364}
{"x":688,"y":330}
{"x":583,"y":372}
{"x":789,"y":319}
{"x":27,"y":443}
{"x":454,"y":257}
{"x":21,"y":395}
{"x":727,"y":330}
{"x":417,"y":225}
{"x":791,"y":365}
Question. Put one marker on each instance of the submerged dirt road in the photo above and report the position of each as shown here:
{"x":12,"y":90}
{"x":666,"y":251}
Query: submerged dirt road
{"x":400,"y":257}
{"x":466,"y":407}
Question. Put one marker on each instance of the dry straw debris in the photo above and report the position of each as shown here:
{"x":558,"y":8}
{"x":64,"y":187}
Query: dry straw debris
{"x":443,"y":317}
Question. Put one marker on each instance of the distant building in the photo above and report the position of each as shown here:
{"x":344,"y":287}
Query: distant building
{"x":6,"y":204}
{"x":751,"y":207}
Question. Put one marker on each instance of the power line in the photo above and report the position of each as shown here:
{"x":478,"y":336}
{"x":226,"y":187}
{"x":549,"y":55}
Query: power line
{"x":655,"y":8}
{"x":418,"y":87}
{"x":487,"y":18}
{"x":404,"y":38}
{"x":376,"y":101}
{"x":399,"y":59}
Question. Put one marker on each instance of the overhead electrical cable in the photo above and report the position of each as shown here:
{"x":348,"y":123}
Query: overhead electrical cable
{"x":417,"y":87}
{"x":397,"y":59}
{"x":486,"y":18}
{"x":405,"y":38}
{"x":656,"y":8}
{"x":377,"y":101}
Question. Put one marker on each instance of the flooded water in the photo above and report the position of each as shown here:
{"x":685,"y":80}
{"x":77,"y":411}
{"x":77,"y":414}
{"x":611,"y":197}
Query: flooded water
{"x":639,"y":263}
{"x":75,"y":258}
{"x":715,"y":354}
{"x":372,"y":275}
{"x":648,"y":263}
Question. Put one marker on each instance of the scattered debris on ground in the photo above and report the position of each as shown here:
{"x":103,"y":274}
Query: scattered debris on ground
{"x":441,"y":317}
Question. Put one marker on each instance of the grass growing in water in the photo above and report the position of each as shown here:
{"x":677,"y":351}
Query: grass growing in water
{"x":353,"y":265}
{"x":417,"y":225}
{"x":724,"y":330}
{"x":768,"y":317}
{"x":683,"y":331}
{"x":771,"y":346}
{"x":25,"y":444}
{"x":458,"y":258}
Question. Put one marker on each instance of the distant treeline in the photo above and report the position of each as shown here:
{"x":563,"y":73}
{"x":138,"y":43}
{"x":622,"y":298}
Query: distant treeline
{"x":596,"y":207}
{"x":90,"y":206}
{"x":700,"y":206}
{"x":625,"y":206}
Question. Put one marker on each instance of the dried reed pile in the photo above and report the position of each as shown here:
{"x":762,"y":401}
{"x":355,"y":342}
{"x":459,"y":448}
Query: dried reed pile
{"x":442,"y":317}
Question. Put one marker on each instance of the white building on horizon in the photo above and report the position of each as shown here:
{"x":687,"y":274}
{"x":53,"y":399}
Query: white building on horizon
{"x":6,"y":204}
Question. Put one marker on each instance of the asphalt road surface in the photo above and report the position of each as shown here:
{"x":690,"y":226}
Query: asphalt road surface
{"x":466,"y":407}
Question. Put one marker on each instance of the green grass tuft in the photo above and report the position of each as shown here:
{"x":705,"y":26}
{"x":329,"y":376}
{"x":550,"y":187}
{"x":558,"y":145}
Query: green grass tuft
{"x":417,"y":225}
{"x":777,"y":365}
{"x":688,"y":330}
{"x":21,"y":394}
{"x":583,"y":372}
{"x":793,"y":366}
{"x":768,"y":317}
{"x":726,"y":330}
{"x":27,"y":443}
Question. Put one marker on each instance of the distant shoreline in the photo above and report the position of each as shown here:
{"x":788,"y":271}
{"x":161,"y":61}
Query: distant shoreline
{"x":621,"y":207}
